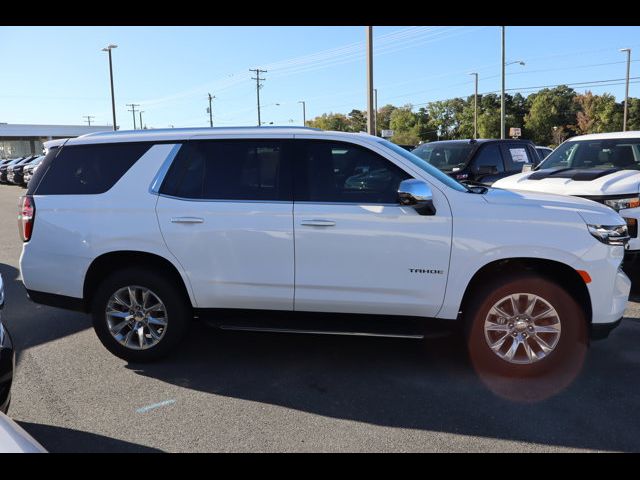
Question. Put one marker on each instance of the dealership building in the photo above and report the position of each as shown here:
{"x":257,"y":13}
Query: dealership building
{"x":20,"y":140}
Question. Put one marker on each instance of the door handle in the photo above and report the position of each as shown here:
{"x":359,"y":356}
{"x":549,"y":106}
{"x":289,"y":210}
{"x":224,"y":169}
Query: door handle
{"x":318,"y":223}
{"x":187,"y":220}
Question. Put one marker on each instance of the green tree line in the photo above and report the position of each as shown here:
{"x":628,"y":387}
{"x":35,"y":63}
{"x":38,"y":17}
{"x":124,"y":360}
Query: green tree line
{"x":547,"y":117}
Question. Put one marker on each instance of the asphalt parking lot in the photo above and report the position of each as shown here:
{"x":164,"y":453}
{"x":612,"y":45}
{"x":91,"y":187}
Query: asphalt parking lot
{"x":226,"y":391}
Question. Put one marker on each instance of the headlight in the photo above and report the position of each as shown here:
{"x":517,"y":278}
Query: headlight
{"x":610,"y":234}
{"x":622,"y":203}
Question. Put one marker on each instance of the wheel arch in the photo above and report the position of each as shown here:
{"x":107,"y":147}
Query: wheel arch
{"x":558,"y":272}
{"x":110,"y":262}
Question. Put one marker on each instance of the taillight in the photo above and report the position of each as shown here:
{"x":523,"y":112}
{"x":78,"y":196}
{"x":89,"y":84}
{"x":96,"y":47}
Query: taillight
{"x":26,"y":216}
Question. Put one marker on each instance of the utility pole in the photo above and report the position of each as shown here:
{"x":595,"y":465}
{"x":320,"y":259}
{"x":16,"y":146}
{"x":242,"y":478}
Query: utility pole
{"x":108,"y":48}
{"x":626,"y":91}
{"x":375,"y":110}
{"x":210,"y":111}
{"x":88,"y":117}
{"x":370,"y":116}
{"x":475,"y":108}
{"x":141,"y":112}
{"x":502,"y":122}
{"x":133,"y":111}
{"x":258,"y":87}
{"x":304,"y":113}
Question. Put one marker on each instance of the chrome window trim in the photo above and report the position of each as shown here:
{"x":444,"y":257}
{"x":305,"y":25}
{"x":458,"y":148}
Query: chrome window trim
{"x":162,"y":172}
{"x":222,"y":200}
{"x":289,"y":202}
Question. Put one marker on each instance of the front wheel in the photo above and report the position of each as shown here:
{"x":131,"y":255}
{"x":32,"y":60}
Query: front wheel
{"x":139,"y":315}
{"x":524,"y":326}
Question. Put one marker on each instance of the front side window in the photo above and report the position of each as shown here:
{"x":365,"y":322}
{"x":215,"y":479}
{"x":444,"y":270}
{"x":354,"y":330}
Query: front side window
{"x":340,"y":172}
{"x":623,"y":154}
{"x":445,"y":156}
{"x":229,"y":170}
{"x":489,"y":159}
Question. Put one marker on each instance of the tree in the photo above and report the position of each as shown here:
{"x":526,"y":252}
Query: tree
{"x":404,"y":124}
{"x":551,"y":108}
{"x":384,"y":116}
{"x":597,"y":113}
{"x":489,"y":116}
{"x":633,"y":114}
{"x":357,"y":121}
{"x":331,"y":121}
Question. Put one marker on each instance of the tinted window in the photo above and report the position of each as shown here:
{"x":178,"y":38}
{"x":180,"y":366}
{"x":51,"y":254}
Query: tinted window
{"x":446,"y":156}
{"x":88,"y":169}
{"x":230,"y":170}
{"x":489,"y":156}
{"x":343,"y":172}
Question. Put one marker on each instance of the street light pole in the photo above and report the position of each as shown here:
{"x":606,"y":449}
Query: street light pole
{"x":626,"y":90}
{"x":304,"y":113}
{"x":108,"y":49}
{"x":141,"y":112}
{"x":502,"y":89}
{"x":370,"y":118}
{"x":475,"y":107}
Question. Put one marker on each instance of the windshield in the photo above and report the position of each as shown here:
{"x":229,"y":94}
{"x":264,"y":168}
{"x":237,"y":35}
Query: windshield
{"x":622,"y":153}
{"x":445,"y":156}
{"x":420,"y":163}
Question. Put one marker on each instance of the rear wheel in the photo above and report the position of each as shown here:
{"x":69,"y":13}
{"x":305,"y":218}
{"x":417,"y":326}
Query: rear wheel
{"x":525,"y":325}
{"x":139,"y":315}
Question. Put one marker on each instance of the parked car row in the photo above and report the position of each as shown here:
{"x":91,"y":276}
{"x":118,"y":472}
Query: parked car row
{"x":18,"y":171}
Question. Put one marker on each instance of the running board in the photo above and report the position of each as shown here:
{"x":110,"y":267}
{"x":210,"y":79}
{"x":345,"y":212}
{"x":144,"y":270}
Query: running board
{"x":316,"y":323}
{"x":320,"y":332}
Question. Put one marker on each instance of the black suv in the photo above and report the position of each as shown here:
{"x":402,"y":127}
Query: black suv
{"x":479,"y":161}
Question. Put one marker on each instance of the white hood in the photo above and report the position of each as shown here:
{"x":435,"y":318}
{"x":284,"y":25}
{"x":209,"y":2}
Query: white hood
{"x":590,"y":211}
{"x":616,"y":183}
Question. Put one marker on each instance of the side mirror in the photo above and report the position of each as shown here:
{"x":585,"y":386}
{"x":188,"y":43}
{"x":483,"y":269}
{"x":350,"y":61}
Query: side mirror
{"x":486,"y":169}
{"x":417,"y":194}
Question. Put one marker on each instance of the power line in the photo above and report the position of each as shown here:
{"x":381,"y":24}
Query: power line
{"x":258,"y":87}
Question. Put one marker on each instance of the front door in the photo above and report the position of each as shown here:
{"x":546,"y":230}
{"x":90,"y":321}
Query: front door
{"x":357,"y":250}
{"x":225,"y":211}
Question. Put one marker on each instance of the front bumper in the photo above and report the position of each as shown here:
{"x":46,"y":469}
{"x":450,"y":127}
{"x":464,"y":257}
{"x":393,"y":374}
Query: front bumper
{"x":7,"y":367}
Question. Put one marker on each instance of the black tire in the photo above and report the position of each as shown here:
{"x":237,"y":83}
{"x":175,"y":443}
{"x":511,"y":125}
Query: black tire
{"x":571,"y":346}
{"x":178,"y":310}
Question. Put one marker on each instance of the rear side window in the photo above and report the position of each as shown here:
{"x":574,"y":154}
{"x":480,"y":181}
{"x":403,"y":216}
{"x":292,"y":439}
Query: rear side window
{"x":86,"y":169}
{"x":230,"y":170}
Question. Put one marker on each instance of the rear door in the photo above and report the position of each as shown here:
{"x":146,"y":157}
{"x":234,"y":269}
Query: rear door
{"x":225,"y":211}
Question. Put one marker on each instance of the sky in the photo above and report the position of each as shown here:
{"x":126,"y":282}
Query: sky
{"x":57,"y":75}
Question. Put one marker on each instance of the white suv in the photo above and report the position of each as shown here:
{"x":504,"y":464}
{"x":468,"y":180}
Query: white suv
{"x":276,"y":228}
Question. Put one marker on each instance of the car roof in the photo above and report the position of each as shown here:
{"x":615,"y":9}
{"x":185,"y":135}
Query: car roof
{"x":180,"y":134}
{"x":606,"y":136}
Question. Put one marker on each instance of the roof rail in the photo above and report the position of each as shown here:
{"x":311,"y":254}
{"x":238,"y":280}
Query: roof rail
{"x":199,"y":129}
